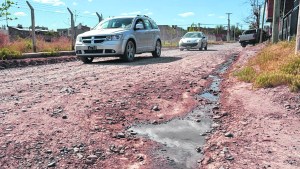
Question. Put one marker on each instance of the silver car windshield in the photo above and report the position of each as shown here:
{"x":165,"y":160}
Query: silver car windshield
{"x":124,"y":23}
{"x":192,"y":35}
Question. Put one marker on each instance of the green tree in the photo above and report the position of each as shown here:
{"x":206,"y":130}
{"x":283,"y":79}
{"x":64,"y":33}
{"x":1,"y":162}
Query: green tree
{"x":4,"y":13}
{"x":219,"y":29}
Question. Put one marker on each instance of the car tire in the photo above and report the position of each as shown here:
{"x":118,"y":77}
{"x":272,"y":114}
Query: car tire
{"x":205,"y":48}
{"x":244,"y":45}
{"x":157,"y":52}
{"x":129,"y":52}
{"x":86,"y":59}
{"x":201,"y":47}
{"x":181,"y":49}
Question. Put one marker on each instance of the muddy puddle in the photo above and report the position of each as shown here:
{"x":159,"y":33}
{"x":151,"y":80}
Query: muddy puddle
{"x":182,"y":139}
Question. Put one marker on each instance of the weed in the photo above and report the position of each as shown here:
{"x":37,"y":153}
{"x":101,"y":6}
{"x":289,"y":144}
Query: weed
{"x":246,"y":74}
{"x":275,"y":65}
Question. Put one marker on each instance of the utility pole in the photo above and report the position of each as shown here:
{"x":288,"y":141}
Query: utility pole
{"x":32,"y":26}
{"x":262,"y":24}
{"x":228,"y":28}
{"x":99,"y":17}
{"x":275,"y":25}
{"x":297,"y":48}
{"x":72,"y":29}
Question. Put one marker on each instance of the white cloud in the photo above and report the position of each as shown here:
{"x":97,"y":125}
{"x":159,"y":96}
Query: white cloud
{"x":51,"y":2}
{"x":20,"y":14}
{"x":74,"y":3}
{"x":90,"y":0}
{"x":86,"y":12}
{"x":222,"y":17}
{"x":149,"y":13}
{"x":59,"y":11}
{"x":186,"y":14}
{"x":131,"y":13}
{"x":212,"y":14}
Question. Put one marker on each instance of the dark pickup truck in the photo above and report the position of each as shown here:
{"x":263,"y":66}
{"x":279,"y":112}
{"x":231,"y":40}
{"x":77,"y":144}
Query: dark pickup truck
{"x":252,"y":36}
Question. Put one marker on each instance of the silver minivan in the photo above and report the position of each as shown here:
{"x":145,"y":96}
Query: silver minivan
{"x":120,"y":37}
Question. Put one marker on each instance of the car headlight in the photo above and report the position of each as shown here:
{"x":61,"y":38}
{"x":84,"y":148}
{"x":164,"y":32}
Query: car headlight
{"x":79,"y":39}
{"x":114,"y":37}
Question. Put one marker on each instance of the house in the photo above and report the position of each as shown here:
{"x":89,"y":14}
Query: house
{"x":26,"y":32}
{"x":288,"y":17}
{"x":78,"y":30}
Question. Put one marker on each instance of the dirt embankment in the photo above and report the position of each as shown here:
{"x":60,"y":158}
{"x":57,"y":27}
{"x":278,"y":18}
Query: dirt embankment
{"x":260,"y":129}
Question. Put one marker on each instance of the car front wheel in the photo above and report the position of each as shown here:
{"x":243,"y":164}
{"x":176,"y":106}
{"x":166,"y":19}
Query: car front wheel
{"x":129,"y":53}
{"x":157,"y":52}
{"x":86,"y":59}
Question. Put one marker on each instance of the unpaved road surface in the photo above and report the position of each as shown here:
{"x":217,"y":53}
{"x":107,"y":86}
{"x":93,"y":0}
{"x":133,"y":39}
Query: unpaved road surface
{"x":74,"y":115}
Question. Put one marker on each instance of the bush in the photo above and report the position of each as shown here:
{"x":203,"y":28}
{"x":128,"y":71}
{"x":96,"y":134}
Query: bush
{"x":6,"y":53}
{"x":4,"y":40}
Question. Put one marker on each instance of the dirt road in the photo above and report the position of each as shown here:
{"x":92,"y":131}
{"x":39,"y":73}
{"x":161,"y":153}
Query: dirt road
{"x":74,"y":115}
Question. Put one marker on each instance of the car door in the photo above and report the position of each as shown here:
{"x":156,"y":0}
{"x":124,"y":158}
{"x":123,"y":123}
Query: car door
{"x":150,"y":35}
{"x":139,"y":33}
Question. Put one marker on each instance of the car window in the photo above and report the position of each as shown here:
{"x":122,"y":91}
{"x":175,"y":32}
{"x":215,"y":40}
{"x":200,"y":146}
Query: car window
{"x":147,"y":24}
{"x":192,"y":35}
{"x":140,"y":21}
{"x":154,"y":25}
{"x":115,"y":23}
{"x":250,"y":31}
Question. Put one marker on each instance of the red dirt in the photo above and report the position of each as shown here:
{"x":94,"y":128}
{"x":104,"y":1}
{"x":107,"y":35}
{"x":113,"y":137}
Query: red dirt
{"x":74,"y":115}
{"x":264,"y":122}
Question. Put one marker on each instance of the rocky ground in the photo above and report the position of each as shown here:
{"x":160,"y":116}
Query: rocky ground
{"x":74,"y":115}
{"x":261,"y":128}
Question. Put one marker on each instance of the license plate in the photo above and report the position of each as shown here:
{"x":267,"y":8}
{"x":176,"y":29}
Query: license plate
{"x":92,"y":48}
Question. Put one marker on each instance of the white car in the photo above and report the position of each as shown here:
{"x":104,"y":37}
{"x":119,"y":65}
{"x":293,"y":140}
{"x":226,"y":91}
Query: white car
{"x":120,"y":37}
{"x":193,"y":40}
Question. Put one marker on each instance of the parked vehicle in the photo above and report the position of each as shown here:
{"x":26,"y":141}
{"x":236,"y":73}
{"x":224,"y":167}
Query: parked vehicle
{"x":252,"y":36}
{"x":193,"y":40}
{"x":120,"y":37}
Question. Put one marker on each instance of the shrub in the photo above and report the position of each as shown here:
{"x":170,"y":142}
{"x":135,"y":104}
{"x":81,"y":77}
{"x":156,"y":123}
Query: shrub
{"x":4,"y":40}
{"x":6,"y":53}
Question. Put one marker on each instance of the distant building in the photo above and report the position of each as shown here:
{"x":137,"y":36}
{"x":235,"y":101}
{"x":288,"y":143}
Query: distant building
{"x":171,"y":33}
{"x":288,"y":17}
{"x":22,"y":32}
{"x":78,"y":30}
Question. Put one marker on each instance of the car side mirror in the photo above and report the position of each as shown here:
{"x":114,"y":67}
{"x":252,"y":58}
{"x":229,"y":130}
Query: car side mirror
{"x":203,"y":37}
{"x":139,"y":26}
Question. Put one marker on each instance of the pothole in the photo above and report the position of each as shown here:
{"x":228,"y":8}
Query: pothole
{"x":182,"y":139}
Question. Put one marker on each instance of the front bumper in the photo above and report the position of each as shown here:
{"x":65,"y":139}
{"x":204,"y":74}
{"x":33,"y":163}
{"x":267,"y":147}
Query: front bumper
{"x":106,"y":48}
{"x":194,"y":45}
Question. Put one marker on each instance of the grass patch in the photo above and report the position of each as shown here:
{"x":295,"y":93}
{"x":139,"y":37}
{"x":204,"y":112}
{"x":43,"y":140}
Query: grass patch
{"x":275,"y":65}
{"x":246,"y":74}
{"x":12,"y":50}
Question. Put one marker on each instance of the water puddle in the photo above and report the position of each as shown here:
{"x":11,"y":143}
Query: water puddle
{"x":182,"y":139}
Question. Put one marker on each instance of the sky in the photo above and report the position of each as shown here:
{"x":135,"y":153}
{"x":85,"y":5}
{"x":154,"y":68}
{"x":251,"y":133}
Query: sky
{"x":54,"y":14}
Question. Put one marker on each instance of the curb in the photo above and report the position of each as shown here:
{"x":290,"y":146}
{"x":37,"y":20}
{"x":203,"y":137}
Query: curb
{"x":46,"y":54}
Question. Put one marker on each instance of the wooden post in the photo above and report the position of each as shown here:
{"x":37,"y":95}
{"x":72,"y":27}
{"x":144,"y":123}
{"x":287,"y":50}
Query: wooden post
{"x":99,"y":17}
{"x":275,"y":25}
{"x":297,"y":48}
{"x":262,"y":23}
{"x":32,"y":27}
{"x":72,"y":29}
